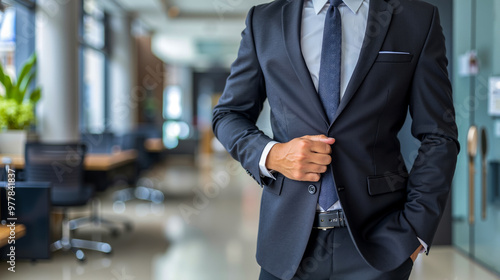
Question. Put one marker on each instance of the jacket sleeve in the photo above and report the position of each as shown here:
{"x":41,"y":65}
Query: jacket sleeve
{"x":431,"y":107}
{"x":236,"y":114}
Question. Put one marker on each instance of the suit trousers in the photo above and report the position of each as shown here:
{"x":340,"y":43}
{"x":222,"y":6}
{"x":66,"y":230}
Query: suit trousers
{"x":331,"y":255}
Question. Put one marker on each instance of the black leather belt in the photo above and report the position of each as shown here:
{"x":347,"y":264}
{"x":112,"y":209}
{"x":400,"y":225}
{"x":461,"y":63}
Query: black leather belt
{"x":330,"y":219}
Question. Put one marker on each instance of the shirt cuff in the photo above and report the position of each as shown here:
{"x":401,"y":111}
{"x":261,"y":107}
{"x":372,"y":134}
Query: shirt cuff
{"x":424,"y":245}
{"x":264,"y":172}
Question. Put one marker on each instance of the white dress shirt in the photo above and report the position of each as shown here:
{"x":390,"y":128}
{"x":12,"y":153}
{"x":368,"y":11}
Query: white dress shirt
{"x":354,"y":16}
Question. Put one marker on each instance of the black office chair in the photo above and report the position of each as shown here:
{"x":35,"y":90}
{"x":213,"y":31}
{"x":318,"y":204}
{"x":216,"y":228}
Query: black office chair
{"x":100,"y":143}
{"x":135,"y":140}
{"x":62,"y":164}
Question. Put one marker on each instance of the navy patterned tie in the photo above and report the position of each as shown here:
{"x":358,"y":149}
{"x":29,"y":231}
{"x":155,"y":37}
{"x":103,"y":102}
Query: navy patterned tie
{"x":329,"y":87}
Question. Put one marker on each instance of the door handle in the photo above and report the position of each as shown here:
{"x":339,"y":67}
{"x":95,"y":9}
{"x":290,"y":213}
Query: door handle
{"x":471,"y":152}
{"x":484,"y":173}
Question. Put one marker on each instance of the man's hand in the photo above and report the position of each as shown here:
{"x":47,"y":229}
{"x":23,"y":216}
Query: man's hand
{"x":301,"y":159}
{"x":415,"y":254}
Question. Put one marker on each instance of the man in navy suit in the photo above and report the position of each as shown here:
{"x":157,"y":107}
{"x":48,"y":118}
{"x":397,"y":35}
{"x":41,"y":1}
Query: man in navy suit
{"x":340,"y":76}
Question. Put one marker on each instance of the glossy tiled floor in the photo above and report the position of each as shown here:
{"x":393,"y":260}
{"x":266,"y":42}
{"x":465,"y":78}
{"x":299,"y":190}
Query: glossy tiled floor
{"x":205,"y":230}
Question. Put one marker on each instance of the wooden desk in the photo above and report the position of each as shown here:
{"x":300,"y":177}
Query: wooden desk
{"x":5,"y":233}
{"x":93,"y":162}
{"x":99,"y":167}
{"x":154,"y":145}
{"x":106,"y":162}
{"x":17,"y":161}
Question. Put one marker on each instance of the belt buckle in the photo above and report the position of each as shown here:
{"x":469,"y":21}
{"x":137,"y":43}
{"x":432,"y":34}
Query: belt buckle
{"x":324,"y":228}
{"x":335,"y":213}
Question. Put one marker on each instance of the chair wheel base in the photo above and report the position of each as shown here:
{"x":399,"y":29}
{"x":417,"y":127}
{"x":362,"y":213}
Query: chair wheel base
{"x":76,"y":245}
{"x":79,"y":255}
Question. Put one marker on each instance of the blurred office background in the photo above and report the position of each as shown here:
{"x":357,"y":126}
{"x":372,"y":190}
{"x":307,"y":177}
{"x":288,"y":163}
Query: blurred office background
{"x":153,"y":195}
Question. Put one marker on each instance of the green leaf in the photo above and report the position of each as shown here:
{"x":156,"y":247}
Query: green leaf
{"x":35,"y":95}
{"x":7,"y":82}
{"x":26,"y":69}
{"x":15,"y":94}
{"x":25,"y":85}
{"x":2,"y":75}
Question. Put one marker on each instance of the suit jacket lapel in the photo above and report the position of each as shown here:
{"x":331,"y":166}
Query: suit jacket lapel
{"x":291,"y":20}
{"x":379,"y":20}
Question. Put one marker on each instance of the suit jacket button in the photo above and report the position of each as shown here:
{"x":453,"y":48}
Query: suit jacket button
{"x":311,"y":189}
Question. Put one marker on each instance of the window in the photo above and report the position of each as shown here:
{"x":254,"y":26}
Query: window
{"x":93,"y":25}
{"x":173,"y":128}
{"x":8,"y":39}
{"x":17,"y":36}
{"x":94,"y":61}
{"x":94,"y":90}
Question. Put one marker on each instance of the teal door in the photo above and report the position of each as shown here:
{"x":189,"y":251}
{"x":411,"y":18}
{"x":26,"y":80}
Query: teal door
{"x":475,"y":196}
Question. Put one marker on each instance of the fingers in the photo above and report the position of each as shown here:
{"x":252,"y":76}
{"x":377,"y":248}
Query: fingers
{"x":309,"y":171}
{"x":320,"y":159}
{"x":311,"y":168}
{"x":317,"y":144}
{"x":311,"y":177}
{"x":315,"y":160}
{"x":320,"y":147}
{"x":302,"y":159}
{"x":320,"y":138}
{"x":308,"y":177}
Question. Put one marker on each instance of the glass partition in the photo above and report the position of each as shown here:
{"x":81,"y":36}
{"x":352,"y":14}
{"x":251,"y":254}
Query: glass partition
{"x":476,"y":200}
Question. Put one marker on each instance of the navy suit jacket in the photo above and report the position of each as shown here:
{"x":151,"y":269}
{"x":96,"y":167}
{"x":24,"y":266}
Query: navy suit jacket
{"x":385,"y":205}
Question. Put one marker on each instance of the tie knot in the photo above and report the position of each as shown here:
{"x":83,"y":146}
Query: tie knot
{"x":336,"y":3}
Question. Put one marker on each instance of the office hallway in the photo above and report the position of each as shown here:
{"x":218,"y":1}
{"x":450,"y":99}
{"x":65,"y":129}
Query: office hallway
{"x":205,"y":230}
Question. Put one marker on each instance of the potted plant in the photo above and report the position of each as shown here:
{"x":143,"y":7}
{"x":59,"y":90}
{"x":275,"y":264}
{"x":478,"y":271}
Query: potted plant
{"x":17,"y":105}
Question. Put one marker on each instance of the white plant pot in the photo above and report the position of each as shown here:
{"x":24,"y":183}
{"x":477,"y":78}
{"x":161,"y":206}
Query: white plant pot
{"x":12,"y":142}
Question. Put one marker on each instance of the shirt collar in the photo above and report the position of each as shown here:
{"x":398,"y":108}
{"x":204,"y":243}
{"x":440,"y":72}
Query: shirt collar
{"x":353,"y":5}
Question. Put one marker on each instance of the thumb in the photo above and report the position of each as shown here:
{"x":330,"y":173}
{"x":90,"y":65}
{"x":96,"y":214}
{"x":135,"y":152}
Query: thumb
{"x":320,"y":138}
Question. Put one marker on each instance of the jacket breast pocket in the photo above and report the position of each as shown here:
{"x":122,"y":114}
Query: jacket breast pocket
{"x":275,"y":186}
{"x":387,"y":183}
{"x":394,"y":57}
